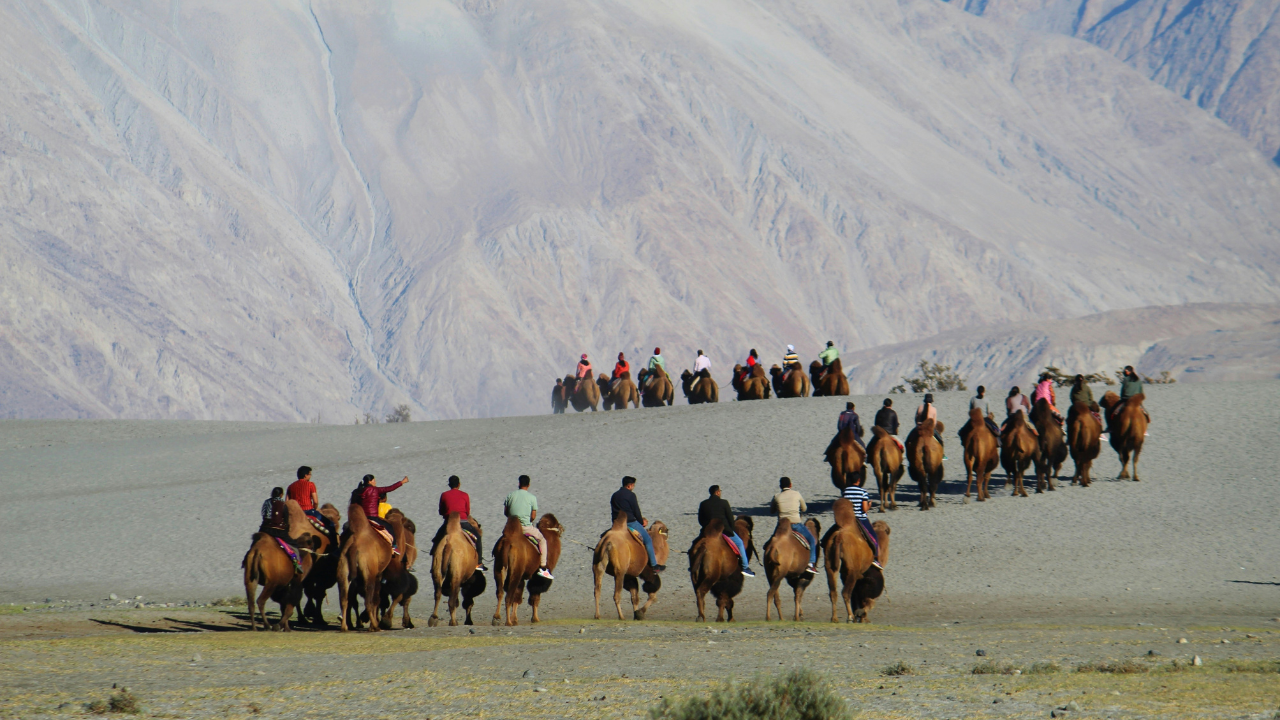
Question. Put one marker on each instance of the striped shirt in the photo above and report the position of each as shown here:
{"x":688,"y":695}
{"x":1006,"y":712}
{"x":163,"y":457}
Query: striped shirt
{"x":790,"y":359}
{"x":857,"y":496}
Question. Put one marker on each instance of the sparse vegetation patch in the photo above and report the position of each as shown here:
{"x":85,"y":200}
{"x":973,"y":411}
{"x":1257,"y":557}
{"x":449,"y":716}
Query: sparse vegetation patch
{"x":798,"y":695}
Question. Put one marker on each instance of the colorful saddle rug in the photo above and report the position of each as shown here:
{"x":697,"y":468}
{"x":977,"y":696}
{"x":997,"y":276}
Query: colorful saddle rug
{"x":532,"y":540}
{"x":293,"y":555}
{"x":803,"y":540}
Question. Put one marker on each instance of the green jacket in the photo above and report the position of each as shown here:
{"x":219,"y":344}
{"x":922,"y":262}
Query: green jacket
{"x":1084,"y":395}
{"x":829,"y":355}
{"x":1129,"y":388}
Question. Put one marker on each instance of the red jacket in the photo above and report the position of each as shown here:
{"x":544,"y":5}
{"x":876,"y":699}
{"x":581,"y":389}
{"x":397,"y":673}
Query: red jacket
{"x":301,"y":492}
{"x":454,"y":500}
{"x":372,"y":494}
{"x":620,"y":368}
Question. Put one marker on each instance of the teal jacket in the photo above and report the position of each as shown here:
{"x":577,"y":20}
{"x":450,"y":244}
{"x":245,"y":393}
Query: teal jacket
{"x":1129,"y":388}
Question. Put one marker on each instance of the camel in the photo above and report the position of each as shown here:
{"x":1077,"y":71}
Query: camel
{"x":515,"y":567}
{"x":847,"y":459}
{"x":325,"y":573}
{"x":707,"y":390}
{"x":453,"y":572}
{"x":786,"y":558}
{"x":714,"y":566}
{"x":1128,"y":428}
{"x":559,"y":399}
{"x":790,"y":384}
{"x":364,"y":558}
{"x":1084,"y":434}
{"x":886,"y":462}
{"x":582,"y":395}
{"x":754,"y":386}
{"x":398,"y":582}
{"x":847,"y":554}
{"x":616,"y":397}
{"x":266,"y":564}
{"x":623,"y":556}
{"x":657,"y":389}
{"x":1019,"y":449}
{"x":981,"y":455}
{"x":924,"y":461}
{"x":1053,"y":446}
{"x":828,"y":381}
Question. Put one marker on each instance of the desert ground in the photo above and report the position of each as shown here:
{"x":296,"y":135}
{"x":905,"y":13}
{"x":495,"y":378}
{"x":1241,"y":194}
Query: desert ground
{"x":1116,"y":573}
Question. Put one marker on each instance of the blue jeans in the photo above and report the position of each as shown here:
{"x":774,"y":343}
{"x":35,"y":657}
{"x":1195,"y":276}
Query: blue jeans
{"x":742,"y":549}
{"x":813,"y":544}
{"x":648,"y":541}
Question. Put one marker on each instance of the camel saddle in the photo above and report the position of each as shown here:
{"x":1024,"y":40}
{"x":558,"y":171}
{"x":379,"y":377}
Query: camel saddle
{"x":635,"y":535}
{"x":292,"y":553}
{"x":733,"y":546}
{"x":803,"y":540}
{"x":532,"y":540}
{"x":471,"y":537}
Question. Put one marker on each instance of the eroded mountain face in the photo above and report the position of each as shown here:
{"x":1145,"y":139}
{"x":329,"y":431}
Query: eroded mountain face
{"x":301,"y":210}
{"x":1223,"y":56}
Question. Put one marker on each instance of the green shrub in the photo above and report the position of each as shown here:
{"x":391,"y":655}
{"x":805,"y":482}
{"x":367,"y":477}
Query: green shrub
{"x":798,"y":695}
{"x":1252,"y":666}
{"x":897,"y":669}
{"x":1043,"y":668}
{"x":1122,"y":667}
{"x":990,"y":667}
{"x":119,"y":702}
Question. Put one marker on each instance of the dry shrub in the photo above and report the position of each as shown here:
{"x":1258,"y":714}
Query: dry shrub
{"x":1043,"y":668}
{"x":990,"y":667}
{"x":123,"y":702}
{"x":1252,"y":666}
{"x":798,"y":695}
{"x":1120,"y":667}
{"x":897,"y":669}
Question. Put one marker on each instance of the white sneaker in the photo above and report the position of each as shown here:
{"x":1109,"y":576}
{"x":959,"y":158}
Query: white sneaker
{"x":1105,"y":437}
{"x":543,"y":572}
{"x":747,"y":572}
{"x":812,"y":569}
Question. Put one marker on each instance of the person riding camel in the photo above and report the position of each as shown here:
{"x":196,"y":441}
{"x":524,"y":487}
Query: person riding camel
{"x":715,"y":507}
{"x":303,"y":492}
{"x":701,"y":369}
{"x":622,"y":366}
{"x":1044,"y":390}
{"x":929,"y":411}
{"x":887,"y":418}
{"x":655,"y":361}
{"x":1016,"y":403}
{"x":275,"y":515}
{"x":1130,"y":385}
{"x":861,"y":505}
{"x":753,"y":359}
{"x":371,"y":496}
{"x":849,"y":418}
{"x":1081,"y":393}
{"x":583,"y":369}
{"x":790,"y":361}
{"x":830,"y":355}
{"x":454,"y":500}
{"x":625,"y":501}
{"x":789,"y":504}
{"x":523,"y":506}
{"x":982,"y":404}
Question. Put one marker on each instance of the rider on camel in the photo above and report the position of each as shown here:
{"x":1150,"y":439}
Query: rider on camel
{"x":1044,"y":390}
{"x":715,"y":507}
{"x":830,"y":355}
{"x":753,"y":359}
{"x":371,"y":496}
{"x":523,"y":506}
{"x":1130,"y":385}
{"x":583,"y":369}
{"x":861,"y":504}
{"x":624,"y":501}
{"x":1080,"y":393}
{"x":887,"y":418}
{"x":701,"y":369}
{"x":790,"y":360}
{"x":928,"y":411}
{"x":849,"y":418}
{"x":275,"y":515}
{"x":789,"y":504}
{"x":454,"y":500}
{"x":980,"y":402}
{"x":1016,"y":403}
{"x":655,"y":362}
{"x":622,"y":366}
{"x":303,"y":492}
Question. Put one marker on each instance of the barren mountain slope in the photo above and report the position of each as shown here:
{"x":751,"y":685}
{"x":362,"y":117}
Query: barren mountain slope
{"x":1223,"y":55}
{"x":290,"y":209}
{"x":1193,"y":342}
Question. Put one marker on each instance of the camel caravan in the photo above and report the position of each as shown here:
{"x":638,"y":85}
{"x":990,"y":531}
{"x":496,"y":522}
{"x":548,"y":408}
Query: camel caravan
{"x":652,"y":386}
{"x":303,"y":548}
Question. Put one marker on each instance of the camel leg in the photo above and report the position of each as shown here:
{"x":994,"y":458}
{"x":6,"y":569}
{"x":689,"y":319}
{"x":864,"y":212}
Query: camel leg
{"x":249,"y":588}
{"x":534,"y":602}
{"x":799,"y":605}
{"x":1124,"y":465}
{"x":617,"y":592}
{"x":847,"y":594}
{"x":434,"y":621}
{"x":262,"y":606}
{"x":286,"y":612}
{"x":638,"y":614}
{"x":599,"y":571}
{"x":453,"y":607}
{"x":700,"y":595}
{"x":968,"y":477}
{"x":405,"y":621}
{"x":721,"y":606}
{"x":831,"y":591}
{"x":513,"y":605}
{"x":372,"y":598}
{"x":771,"y":599}
{"x":499,"y":581}
{"x":1136,"y":451}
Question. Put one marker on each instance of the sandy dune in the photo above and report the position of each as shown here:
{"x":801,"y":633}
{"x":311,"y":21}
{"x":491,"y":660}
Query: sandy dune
{"x":165,"y":509}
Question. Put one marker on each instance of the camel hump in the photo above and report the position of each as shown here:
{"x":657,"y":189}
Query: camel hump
{"x":842,"y":509}
{"x":714,"y":528}
{"x":784,"y":527}
{"x":926,"y":427}
{"x":454,"y":523}
{"x":1137,"y":400}
{"x":879,"y":432}
{"x":975,"y":417}
{"x":836,"y":367}
{"x":357,"y":520}
{"x":620,"y":521}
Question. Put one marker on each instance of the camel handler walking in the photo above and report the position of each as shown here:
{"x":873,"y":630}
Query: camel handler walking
{"x":625,"y":501}
{"x":789,"y":504}
{"x":523,"y":506}
{"x":716,"y":507}
{"x":861,"y":504}
{"x":454,"y":500}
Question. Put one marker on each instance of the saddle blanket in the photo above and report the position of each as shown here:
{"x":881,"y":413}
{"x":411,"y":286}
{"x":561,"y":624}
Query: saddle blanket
{"x":532,"y":540}
{"x":470,"y":537}
{"x":385,"y":536}
{"x":293,"y":555}
{"x":732,"y":545}
{"x":803,"y":540}
{"x":636,"y":536}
